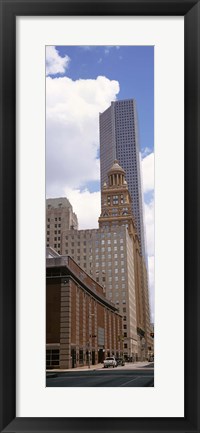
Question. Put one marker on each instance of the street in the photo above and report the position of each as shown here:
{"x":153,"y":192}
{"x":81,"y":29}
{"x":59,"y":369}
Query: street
{"x":126,"y":376}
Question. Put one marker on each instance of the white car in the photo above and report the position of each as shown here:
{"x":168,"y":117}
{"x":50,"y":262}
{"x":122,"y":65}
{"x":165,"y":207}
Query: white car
{"x":110,"y":362}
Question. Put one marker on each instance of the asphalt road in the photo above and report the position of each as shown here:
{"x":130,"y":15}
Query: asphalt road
{"x":111,"y":377}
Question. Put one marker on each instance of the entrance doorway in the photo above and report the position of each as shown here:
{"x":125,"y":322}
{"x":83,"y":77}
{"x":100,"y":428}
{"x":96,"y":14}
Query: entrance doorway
{"x":73,"y":355}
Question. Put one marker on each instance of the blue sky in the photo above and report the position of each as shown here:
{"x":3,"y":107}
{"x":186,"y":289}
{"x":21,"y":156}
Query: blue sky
{"x":81,"y":81}
{"x":131,"y":66}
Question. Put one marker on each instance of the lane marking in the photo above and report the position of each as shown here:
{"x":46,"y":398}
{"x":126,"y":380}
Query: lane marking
{"x":132,"y":380}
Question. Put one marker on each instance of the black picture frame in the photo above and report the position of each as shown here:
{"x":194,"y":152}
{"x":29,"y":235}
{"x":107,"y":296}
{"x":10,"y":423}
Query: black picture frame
{"x":10,"y":9}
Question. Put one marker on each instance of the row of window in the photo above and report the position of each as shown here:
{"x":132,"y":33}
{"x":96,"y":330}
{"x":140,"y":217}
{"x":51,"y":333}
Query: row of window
{"x":55,"y":226}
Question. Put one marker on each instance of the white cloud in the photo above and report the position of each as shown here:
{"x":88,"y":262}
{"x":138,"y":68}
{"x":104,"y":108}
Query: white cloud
{"x":149,"y":225}
{"x":146,"y":152}
{"x":151,"y":286}
{"x":72,"y":130}
{"x":55,"y":64}
{"x":147,"y":165}
{"x":86,"y":205}
{"x":108,"y":48}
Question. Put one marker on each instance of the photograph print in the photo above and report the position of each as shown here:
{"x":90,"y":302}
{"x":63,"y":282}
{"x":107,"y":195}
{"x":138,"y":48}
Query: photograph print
{"x":100,"y":216}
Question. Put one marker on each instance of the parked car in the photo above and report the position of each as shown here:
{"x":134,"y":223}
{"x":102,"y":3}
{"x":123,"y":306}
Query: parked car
{"x":120,"y":361}
{"x":110,"y":362}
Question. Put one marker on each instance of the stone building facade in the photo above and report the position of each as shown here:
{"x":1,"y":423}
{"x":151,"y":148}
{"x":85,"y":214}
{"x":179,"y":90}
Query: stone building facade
{"x":59,"y":218}
{"x":82,"y":326}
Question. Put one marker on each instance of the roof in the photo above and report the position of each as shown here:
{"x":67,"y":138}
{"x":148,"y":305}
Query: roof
{"x":116,"y":168}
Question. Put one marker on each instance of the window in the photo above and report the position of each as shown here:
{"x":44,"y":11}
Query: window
{"x":114,"y":212}
{"x":52,"y":358}
{"x":115,"y":199}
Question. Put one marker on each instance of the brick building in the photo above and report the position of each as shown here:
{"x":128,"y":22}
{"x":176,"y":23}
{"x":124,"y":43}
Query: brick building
{"x":82,"y":326}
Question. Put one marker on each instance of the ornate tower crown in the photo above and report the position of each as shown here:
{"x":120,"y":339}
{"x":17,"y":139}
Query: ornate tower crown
{"x":116,"y":201}
{"x":116,"y":175}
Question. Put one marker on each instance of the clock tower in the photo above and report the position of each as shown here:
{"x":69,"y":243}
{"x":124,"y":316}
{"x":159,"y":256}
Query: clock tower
{"x":116,"y":209}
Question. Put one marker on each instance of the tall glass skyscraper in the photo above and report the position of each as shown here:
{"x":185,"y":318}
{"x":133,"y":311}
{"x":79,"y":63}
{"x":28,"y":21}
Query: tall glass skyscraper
{"x":119,"y":139}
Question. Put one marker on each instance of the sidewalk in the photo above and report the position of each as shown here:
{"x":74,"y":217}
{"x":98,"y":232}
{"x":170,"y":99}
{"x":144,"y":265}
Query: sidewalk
{"x":130,"y":365}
